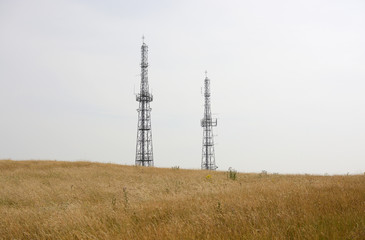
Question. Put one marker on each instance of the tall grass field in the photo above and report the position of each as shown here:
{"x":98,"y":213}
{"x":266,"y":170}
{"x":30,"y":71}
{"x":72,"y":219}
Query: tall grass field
{"x":83,"y":200}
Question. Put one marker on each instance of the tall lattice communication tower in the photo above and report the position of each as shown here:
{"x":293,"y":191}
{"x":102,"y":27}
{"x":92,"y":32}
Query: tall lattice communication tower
{"x":144,"y":149}
{"x":208,"y":155}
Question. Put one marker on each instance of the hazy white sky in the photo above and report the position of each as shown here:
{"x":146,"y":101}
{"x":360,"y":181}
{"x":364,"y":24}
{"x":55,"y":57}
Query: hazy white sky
{"x":288,"y":81}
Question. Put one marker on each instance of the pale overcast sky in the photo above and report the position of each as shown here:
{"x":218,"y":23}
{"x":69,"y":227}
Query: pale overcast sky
{"x":288,"y":81}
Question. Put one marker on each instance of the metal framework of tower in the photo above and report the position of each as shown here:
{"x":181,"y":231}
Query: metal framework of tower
{"x":208,"y":155}
{"x":144,"y":149}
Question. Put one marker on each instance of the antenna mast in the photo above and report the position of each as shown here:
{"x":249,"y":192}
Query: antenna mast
{"x":144,"y":149}
{"x":208,"y":155}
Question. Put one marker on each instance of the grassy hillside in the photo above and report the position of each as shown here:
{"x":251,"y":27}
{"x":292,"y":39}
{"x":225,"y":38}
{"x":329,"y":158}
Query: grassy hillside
{"x":81,"y":200}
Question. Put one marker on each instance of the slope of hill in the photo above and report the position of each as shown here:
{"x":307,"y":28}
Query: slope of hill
{"x":82,"y":200}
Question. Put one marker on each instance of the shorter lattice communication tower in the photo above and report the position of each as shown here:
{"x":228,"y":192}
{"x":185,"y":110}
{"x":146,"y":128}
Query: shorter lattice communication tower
{"x":208,"y":155}
{"x":144,"y":150}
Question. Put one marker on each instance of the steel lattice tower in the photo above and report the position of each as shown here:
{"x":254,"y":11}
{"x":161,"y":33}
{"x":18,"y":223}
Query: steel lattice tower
{"x":208,"y":156}
{"x":144,"y":149}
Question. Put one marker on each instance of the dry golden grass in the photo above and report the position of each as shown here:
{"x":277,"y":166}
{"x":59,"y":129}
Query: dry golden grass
{"x":82,"y":200}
